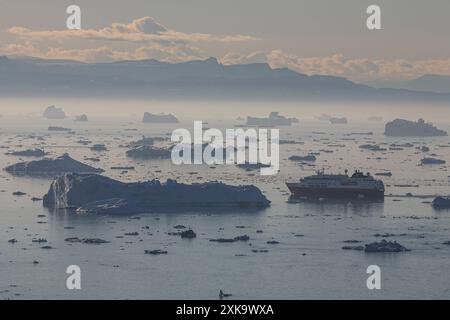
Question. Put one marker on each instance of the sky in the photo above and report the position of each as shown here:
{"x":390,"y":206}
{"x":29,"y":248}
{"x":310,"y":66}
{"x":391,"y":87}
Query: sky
{"x":309,"y":36}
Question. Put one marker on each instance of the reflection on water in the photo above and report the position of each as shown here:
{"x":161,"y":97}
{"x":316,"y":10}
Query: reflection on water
{"x":242,"y":211}
{"x":369,"y":207}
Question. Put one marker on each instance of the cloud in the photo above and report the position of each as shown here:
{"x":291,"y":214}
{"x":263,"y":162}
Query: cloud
{"x":146,"y":25}
{"x":168,"y":53}
{"x":143,"y":38}
{"x":236,"y":58}
{"x":145,"y":29}
{"x":357,"y":69}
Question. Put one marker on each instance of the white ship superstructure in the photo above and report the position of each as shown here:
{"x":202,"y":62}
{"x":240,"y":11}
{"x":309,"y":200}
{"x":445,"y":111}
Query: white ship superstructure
{"x":337,"y":185}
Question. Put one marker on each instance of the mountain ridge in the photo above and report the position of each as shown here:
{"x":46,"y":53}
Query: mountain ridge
{"x":196,"y":79}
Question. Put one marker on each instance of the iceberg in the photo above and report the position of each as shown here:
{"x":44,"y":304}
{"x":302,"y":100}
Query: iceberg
{"x":93,"y":193}
{"x":405,"y":128}
{"x":248,"y":166}
{"x":28,"y":153}
{"x":274,"y":119}
{"x":55,"y":128}
{"x":98,"y":147}
{"x":54,"y":113}
{"x":159,"y":118}
{"x":441,"y":202}
{"x":342,"y":120}
{"x":51,"y":167}
{"x":372,"y":147}
{"x":81,"y":118}
{"x":384,"y":246}
{"x":309,"y":157}
{"x":432,"y":161}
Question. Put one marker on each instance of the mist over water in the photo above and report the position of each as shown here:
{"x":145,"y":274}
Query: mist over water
{"x":308,"y":261}
{"x":132,"y":110}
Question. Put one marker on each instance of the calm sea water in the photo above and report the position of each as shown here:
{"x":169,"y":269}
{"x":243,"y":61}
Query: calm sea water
{"x":307,"y":263}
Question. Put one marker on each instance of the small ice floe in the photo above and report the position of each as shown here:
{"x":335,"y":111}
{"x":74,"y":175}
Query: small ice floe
{"x":372,"y":147}
{"x":224,"y":295}
{"x":384,"y":246}
{"x":98,"y":147}
{"x":155,"y":252}
{"x":309,"y":157}
{"x":385,"y":174}
{"x":86,"y":240}
{"x":426,"y":161}
{"x":55,"y":128}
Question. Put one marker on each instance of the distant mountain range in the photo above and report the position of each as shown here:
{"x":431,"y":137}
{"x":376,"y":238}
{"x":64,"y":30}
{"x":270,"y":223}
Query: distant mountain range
{"x":428,"y":82}
{"x":205,"y":79}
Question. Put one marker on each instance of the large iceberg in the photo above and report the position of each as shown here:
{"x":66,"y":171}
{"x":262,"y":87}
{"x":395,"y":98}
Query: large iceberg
{"x":51,"y":167}
{"x":405,"y":128}
{"x":99,"y":194}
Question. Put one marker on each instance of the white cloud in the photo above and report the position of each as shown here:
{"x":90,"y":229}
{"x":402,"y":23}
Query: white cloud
{"x":144,"y":29}
{"x":146,"y":25}
{"x":168,"y":53}
{"x":236,"y":58}
{"x":143,"y":38}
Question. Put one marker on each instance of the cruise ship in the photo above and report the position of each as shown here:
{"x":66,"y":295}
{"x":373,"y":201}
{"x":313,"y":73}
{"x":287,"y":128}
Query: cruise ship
{"x":358,"y":185}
